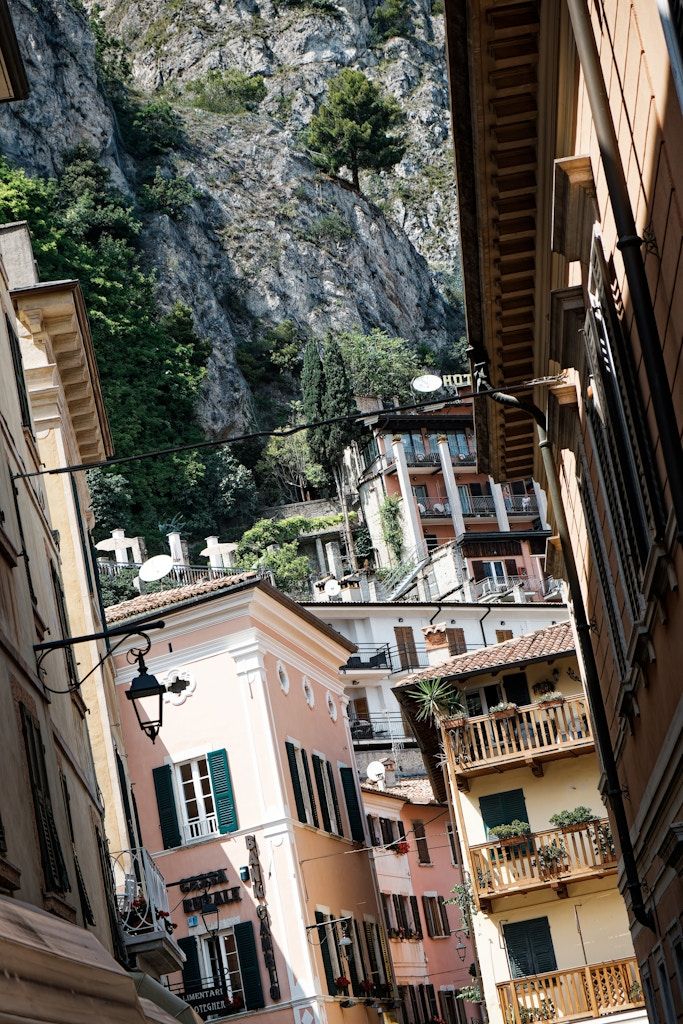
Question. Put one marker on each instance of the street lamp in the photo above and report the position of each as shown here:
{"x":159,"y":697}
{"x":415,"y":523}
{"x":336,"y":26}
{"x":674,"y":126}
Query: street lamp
{"x":144,"y":686}
{"x":461,"y":947}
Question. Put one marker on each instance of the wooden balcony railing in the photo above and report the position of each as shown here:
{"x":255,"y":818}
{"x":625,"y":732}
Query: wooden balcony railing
{"x":543,"y":858}
{"x":533,"y":734}
{"x":584,"y":992}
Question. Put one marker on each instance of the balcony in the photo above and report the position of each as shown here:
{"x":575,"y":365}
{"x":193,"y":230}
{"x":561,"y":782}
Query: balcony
{"x":578,"y":994}
{"x":383,"y":727}
{"x":142,"y":902}
{"x":370,"y":658}
{"x":531,"y":735}
{"x":434,"y":508}
{"x":521,"y":505}
{"x":474,"y":505}
{"x":552,"y":858}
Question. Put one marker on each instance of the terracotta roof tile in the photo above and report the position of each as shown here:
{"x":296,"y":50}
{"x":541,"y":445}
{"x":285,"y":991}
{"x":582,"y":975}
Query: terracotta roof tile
{"x":544,"y":643}
{"x":178,"y":595}
{"x":415,"y":791}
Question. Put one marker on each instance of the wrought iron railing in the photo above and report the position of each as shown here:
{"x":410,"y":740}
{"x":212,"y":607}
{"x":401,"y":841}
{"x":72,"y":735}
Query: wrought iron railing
{"x":477,"y":504}
{"x":521,"y":504}
{"x":380,"y":725}
{"x":141,"y":895}
{"x":369,"y":657}
{"x":434,"y":508}
{"x":180,"y":575}
{"x":582,"y":992}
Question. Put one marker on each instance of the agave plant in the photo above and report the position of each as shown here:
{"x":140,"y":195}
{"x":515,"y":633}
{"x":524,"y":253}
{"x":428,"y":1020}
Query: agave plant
{"x":436,"y":699}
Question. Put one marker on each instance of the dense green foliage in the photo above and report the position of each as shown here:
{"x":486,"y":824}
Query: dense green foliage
{"x":227,"y":92}
{"x":391,"y":521}
{"x":152,"y":365}
{"x":392,"y":18}
{"x":356,"y":127}
{"x":288,"y":463}
{"x":378,"y":364}
{"x":163,"y":194}
{"x":290,"y":568}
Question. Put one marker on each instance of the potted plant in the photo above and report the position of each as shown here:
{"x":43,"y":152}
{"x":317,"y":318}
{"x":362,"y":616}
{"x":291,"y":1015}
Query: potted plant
{"x":513,"y":834}
{"x":635,"y":992}
{"x":484,"y":879}
{"x":551,"y":699}
{"x":604,"y":842}
{"x":543,"y":686}
{"x":437,"y":701}
{"x":393,"y":933}
{"x":551,"y":856}
{"x":342,"y":983}
{"x":402,"y":846}
{"x":503,"y":710}
{"x":573,"y":820}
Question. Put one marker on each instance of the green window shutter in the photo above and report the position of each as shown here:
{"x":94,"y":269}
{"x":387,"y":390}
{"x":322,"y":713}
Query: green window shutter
{"x":192,"y":975}
{"x":353,"y":806}
{"x":224,"y":797}
{"x":324,"y":948}
{"x":296,"y":782}
{"x":309,"y":786}
{"x":444,"y":916}
{"x":168,"y":817}
{"x":249,"y":968}
{"x":503,"y":808}
{"x":530,"y":947}
{"x":318,"y":772}
{"x":417,"y":923}
{"x":335,"y":800}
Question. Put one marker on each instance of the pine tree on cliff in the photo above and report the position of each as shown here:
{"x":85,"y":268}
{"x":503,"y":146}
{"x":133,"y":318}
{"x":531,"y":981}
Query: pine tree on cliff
{"x":357,"y":127}
{"x":327,"y":393}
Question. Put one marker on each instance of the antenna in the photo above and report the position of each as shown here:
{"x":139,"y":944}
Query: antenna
{"x":426,"y":383}
{"x":155,"y":568}
{"x":375,"y":771}
{"x":332,"y":588}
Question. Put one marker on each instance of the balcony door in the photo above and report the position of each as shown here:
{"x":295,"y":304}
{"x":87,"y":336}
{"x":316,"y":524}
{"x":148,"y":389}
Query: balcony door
{"x":529,"y":947}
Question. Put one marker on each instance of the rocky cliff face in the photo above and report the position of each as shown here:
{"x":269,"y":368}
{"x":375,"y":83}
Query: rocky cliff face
{"x":268,"y":238}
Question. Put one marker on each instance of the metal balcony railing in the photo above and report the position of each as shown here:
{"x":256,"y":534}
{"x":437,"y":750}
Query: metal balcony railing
{"x":544,"y":858}
{"x":370,"y":657}
{"x":577,"y":994}
{"x":433,"y":508}
{"x":200,"y":828}
{"x":387,"y":725}
{"x":180,"y":575}
{"x":521,"y":504}
{"x":141,"y":895}
{"x":533,"y":732}
{"x":416,"y":459}
{"x":477,"y":504}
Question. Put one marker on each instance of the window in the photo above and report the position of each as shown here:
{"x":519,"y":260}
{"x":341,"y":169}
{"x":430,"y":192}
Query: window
{"x":19,"y":378}
{"x":665,"y":991}
{"x":65,"y":629}
{"x":453,"y":1009}
{"x":415,"y":914}
{"x":302,"y":785}
{"x":432,"y":542}
{"x":678,"y":954}
{"x":671,"y":13}
{"x":452,"y":842}
{"x":52,"y":858}
{"x":387,"y":911}
{"x":405,"y":642}
{"x":503,"y":634}
{"x":353,"y":805}
{"x":436,"y":916}
{"x":376,"y":960}
{"x":206,"y":797}
{"x":529,"y":947}
{"x":327,"y":795}
{"x":230,"y":960}
{"x":650,"y":999}
{"x":502,"y":809}
{"x":222,"y":966}
{"x":421,"y":843}
{"x":455,"y":638}
{"x":86,"y":908}
{"x":373,"y":824}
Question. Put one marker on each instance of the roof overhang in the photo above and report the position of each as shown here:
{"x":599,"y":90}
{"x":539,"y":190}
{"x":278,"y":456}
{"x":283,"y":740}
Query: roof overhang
{"x":500,"y":62}
{"x":56,"y":310}
{"x":13,"y":81}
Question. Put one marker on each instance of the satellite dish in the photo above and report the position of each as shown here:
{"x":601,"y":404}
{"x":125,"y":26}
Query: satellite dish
{"x":332,"y":588}
{"x":375,"y":771}
{"x":155,"y":568}
{"x":426,"y":383}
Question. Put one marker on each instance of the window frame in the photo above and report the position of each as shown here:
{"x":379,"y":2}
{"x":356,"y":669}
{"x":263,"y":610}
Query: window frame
{"x":205,"y":941}
{"x":203,"y":818}
{"x":422,"y":845}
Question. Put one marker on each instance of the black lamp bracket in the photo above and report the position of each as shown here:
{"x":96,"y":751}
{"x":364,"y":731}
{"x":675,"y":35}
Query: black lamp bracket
{"x":124,"y":632}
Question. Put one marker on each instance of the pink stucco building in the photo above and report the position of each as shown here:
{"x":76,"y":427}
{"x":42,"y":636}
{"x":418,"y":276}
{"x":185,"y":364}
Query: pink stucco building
{"x":418,"y":863}
{"x":250,"y":803}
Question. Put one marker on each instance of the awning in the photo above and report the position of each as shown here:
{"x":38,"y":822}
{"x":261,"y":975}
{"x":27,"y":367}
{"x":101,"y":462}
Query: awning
{"x":53,"y":972}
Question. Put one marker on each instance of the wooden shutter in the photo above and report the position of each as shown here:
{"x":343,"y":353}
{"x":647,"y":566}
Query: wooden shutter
{"x":396,"y":900}
{"x":63,"y":616}
{"x":353,"y":806}
{"x":322,"y":795}
{"x":417,"y":922}
{"x":364,"y":970}
{"x":401,"y":829}
{"x":296,"y":782}
{"x":456,"y":641}
{"x":20,"y":380}
{"x":168,"y":817}
{"x":192,"y":975}
{"x":421,"y":843}
{"x":444,"y":916}
{"x":387,"y":831}
{"x":309,"y":787}
{"x":223,"y":794}
{"x":385,"y":898}
{"x":83,"y":898}
{"x":429,"y":917}
{"x":354,"y":962}
{"x":502,"y":635}
{"x":405,"y":642}
{"x":530,"y":947}
{"x":386,"y":959}
{"x":335,"y":801}
{"x":374,"y":838}
{"x":503,"y":808}
{"x":54,"y":867}
{"x":372,"y":952}
{"x":249,"y":966}
{"x":431,"y":999}
{"x":323,"y":939}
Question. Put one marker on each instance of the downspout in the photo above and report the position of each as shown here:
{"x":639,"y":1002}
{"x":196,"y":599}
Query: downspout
{"x":629,"y":244}
{"x":481,"y":624}
{"x":614,"y":790}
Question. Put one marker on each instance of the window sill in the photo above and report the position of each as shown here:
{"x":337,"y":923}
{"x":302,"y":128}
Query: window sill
{"x":10,"y":877}
{"x":425,"y":863}
{"x":57,"y":905}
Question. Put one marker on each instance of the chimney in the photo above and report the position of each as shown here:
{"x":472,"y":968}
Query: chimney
{"x":176,"y":548}
{"x":389,"y":772}
{"x":436,"y":643}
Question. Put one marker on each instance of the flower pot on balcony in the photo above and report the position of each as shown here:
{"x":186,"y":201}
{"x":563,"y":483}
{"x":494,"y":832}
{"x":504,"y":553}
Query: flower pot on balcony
{"x":500,"y":716}
{"x":578,"y":826}
{"x":458,"y":723}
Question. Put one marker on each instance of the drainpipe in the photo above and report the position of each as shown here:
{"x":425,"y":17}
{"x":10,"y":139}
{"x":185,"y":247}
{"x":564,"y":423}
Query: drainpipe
{"x":481,"y":624}
{"x":629,"y":244}
{"x":614,"y":791}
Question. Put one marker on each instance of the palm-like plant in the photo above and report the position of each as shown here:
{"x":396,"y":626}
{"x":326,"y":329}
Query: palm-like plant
{"x":436,"y":700}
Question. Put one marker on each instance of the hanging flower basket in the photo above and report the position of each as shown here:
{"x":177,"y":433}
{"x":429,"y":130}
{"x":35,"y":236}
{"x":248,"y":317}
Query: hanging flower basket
{"x":401,"y":847}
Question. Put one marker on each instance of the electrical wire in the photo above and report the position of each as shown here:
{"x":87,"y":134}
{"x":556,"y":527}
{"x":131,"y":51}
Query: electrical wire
{"x":386,"y":848}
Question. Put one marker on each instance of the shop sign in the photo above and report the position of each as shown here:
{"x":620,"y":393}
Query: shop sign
{"x":208,"y":1002}
{"x":217,"y":899}
{"x":199,"y":883}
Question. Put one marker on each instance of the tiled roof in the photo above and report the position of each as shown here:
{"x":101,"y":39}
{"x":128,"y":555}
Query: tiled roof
{"x":178,"y":595}
{"x":544,"y":643}
{"x":415,"y":791}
